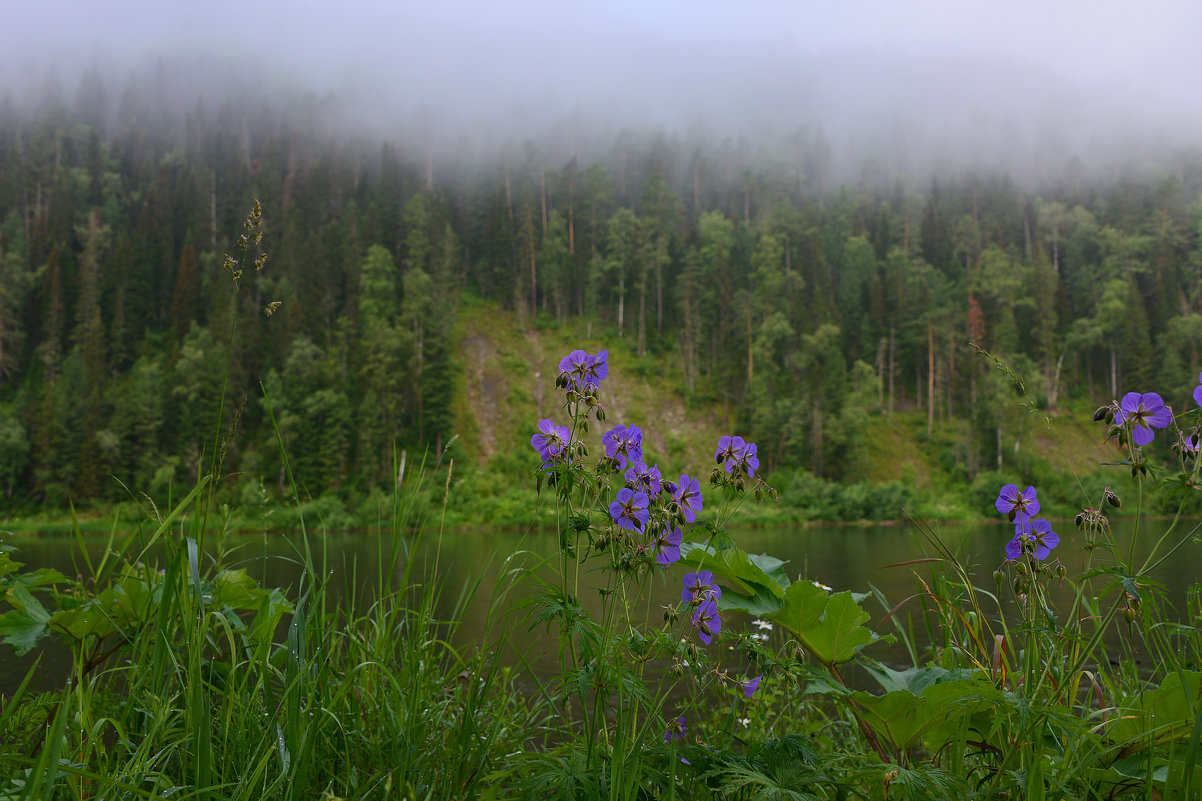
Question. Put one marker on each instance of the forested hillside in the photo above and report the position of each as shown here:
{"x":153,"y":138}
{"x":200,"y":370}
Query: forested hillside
{"x":807,"y":310}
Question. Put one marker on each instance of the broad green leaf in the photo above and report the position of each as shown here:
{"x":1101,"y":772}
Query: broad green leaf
{"x":735,"y":569}
{"x":8,"y":564}
{"x":42,"y":577}
{"x":89,"y":620}
{"x":1159,"y":715}
{"x":830,"y":627}
{"x":21,"y":630}
{"x":25,"y":624}
{"x":915,"y":679}
{"x":902,"y":717}
{"x":237,"y":590}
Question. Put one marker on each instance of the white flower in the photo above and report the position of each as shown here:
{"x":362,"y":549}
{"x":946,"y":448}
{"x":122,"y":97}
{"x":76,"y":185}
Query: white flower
{"x":822,"y":586}
{"x":745,"y":721}
{"x":762,"y":625}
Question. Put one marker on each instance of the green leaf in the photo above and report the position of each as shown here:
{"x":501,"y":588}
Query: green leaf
{"x":830,"y":627}
{"x":737,"y":570}
{"x":1159,"y":715}
{"x":902,"y":717}
{"x":237,"y":590}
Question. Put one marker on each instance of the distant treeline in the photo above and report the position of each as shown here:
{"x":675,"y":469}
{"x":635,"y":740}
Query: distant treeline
{"x":803,"y":305}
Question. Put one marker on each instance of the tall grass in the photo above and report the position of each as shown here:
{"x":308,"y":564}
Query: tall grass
{"x":191,"y":681}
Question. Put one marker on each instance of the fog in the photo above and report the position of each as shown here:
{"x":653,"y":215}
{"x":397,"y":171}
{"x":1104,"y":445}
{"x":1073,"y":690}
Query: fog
{"x":916,"y":87}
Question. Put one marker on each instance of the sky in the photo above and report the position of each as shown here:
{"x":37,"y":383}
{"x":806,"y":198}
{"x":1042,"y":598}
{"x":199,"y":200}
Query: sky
{"x":1036,"y":73}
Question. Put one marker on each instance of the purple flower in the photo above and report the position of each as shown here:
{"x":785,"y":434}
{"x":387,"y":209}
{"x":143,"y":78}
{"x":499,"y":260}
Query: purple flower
{"x":751,"y":685}
{"x":597,"y":368}
{"x":551,"y":439}
{"x":1198,"y":391}
{"x":730,"y":450}
{"x":644,"y":477}
{"x":706,"y":621}
{"x":624,"y":444}
{"x":677,"y":729}
{"x":629,"y":511}
{"x":700,"y":587}
{"x":688,"y":497}
{"x":1144,"y":412}
{"x":749,"y":462}
{"x":667,"y":546}
{"x":581,"y":369}
{"x":1039,"y":532}
{"x":1017,"y":505}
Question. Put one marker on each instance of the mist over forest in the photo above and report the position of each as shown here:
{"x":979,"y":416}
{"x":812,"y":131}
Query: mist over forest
{"x":809,"y":237}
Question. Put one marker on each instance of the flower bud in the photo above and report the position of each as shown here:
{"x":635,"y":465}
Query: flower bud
{"x":1129,"y":614}
{"x":600,"y":415}
{"x":759,"y":494}
{"x":1061,"y":571}
{"x":1112,"y":499}
{"x":1100,"y":414}
{"x":584,"y":425}
{"x":999,"y":578}
{"x":1079,"y":519}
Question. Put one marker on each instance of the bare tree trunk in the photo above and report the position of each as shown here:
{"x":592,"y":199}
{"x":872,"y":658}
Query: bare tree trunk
{"x":1114,"y":373}
{"x":930,"y":379}
{"x":542,"y":180}
{"x":750,"y":353}
{"x":892,"y":365}
{"x":880,"y":373}
{"x":621,"y":299}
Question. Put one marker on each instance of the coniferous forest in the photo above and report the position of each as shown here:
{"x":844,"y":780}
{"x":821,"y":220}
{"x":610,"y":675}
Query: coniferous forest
{"x":797,"y":300}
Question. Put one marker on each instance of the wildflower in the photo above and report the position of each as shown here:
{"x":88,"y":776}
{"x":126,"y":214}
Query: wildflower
{"x":751,"y":685}
{"x":1015,"y":504}
{"x":624,"y":444}
{"x":749,"y":462}
{"x":730,"y":450}
{"x":745,"y":721}
{"x":629,"y":511}
{"x":706,"y":621}
{"x":644,"y":477}
{"x":1144,"y":412}
{"x":550,"y":439}
{"x":700,"y":587}
{"x":688,"y":497}
{"x":597,"y":368}
{"x":1038,"y":532}
{"x":667,"y":546}
{"x":822,"y":586}
{"x":762,"y":625}
{"x":581,"y":370}
{"x":677,"y":729}
{"x":1198,"y":391}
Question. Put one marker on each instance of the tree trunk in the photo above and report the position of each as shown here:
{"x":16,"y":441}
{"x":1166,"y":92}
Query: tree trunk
{"x":1114,"y":373}
{"x":892,"y":365}
{"x":930,"y":379}
{"x":621,"y":299}
{"x":542,"y":180}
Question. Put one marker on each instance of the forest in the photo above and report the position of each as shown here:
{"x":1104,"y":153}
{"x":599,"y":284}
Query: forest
{"x":796,"y":302}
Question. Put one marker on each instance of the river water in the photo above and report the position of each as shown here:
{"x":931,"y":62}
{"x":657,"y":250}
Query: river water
{"x":842,"y":557}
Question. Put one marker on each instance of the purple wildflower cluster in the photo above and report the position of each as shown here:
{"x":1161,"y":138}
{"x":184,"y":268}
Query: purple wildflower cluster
{"x":1031,"y":535}
{"x":649,"y":513}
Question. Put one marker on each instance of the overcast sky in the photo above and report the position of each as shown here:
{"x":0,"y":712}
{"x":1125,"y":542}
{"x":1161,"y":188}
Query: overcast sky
{"x":1077,"y":71}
